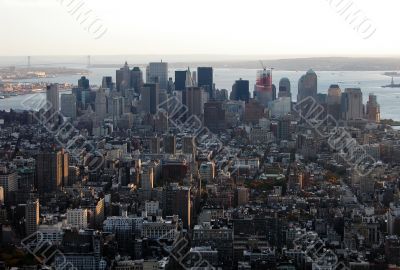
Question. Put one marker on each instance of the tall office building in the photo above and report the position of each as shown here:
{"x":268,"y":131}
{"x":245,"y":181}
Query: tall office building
{"x":205,"y":79}
{"x":190,"y":81}
{"x":157,"y":72}
{"x":147,"y":178}
{"x":154,"y":145}
{"x":77,"y":91}
{"x":123,"y":78}
{"x":51,"y":168}
{"x":107,"y":83}
{"x":280,"y":107}
{"x":87,"y":98}
{"x":100,"y":105}
{"x":137,"y":79}
{"x":263,"y":90}
{"x":52,"y":97}
{"x":242,"y":196}
{"x":333,"y":101}
{"x":234,"y":111}
{"x":254,"y":111}
{"x":31,"y":216}
{"x":284,"y":128}
{"x":222,"y":95}
{"x":9,"y":181}
{"x":170,"y":144}
{"x":150,"y":98}
{"x":170,"y":86}
{"x":178,"y":202}
{"x":194,"y":78}
{"x":194,"y":99}
{"x":284,"y":88}
{"x":352,"y":104}
{"x":161,"y":122}
{"x":68,"y":105}
{"x":180,"y":80}
{"x":147,"y":182}
{"x":240,"y":90}
{"x":162,"y":96}
{"x":189,"y":145}
{"x":117,"y":108}
{"x":214,"y":116}
{"x":373,"y":109}
{"x":84,"y":83}
{"x":64,"y":167}
{"x":308,"y":86}
{"x":334,"y":94}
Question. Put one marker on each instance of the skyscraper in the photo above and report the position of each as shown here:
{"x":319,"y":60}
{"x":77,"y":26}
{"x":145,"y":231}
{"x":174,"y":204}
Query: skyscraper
{"x":117,"y":108}
{"x":170,"y":144}
{"x":52,"y":97}
{"x":205,"y":79}
{"x":180,"y":80}
{"x":254,"y":111}
{"x":352,"y":105}
{"x":157,"y":72}
{"x":284,"y":88}
{"x":100,"y":105}
{"x":189,"y":145}
{"x":147,"y":181}
{"x":194,"y":100}
{"x":123,"y":78}
{"x":194,"y":77}
{"x":8,"y":180}
{"x":308,"y":86}
{"x":284,"y":132}
{"x":214,"y":116}
{"x":150,"y":97}
{"x":170,"y":86}
{"x":84,"y":83}
{"x":154,"y":145}
{"x":51,"y":167}
{"x":281,"y":107}
{"x":147,"y":178}
{"x":178,"y":202}
{"x":107,"y":83}
{"x":31,"y":216}
{"x":240,"y":90}
{"x":333,"y":101}
{"x":137,"y":79}
{"x":373,"y":110}
{"x":68,"y":105}
{"x":263,"y":90}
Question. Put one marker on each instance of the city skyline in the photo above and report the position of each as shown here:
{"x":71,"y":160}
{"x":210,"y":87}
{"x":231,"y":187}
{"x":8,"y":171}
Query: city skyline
{"x":199,"y":135}
{"x":285,"y":28}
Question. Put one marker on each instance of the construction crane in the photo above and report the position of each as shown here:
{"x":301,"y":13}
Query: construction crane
{"x":265,"y":68}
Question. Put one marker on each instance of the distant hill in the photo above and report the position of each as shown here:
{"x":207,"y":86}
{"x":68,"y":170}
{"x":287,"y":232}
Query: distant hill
{"x":318,"y":64}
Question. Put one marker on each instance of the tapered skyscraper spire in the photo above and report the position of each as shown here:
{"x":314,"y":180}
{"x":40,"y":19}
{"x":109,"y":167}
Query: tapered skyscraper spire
{"x":189,"y":80}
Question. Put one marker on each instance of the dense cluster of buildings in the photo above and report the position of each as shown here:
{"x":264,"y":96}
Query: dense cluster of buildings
{"x":153,"y":172}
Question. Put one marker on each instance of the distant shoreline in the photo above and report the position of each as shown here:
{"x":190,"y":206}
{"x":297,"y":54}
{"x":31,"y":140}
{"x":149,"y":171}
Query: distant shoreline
{"x":384,"y":64}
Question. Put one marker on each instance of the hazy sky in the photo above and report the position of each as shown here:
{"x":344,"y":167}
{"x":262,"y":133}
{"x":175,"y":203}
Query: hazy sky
{"x":237,"y":27}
